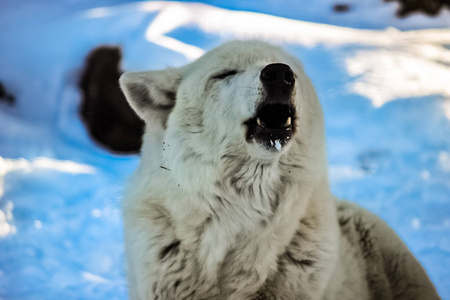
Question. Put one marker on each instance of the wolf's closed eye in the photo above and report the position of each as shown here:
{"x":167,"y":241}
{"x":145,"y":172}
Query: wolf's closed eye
{"x":224,"y":74}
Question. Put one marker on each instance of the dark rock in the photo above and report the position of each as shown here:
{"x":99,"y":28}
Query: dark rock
{"x":429,"y":7}
{"x":341,"y":8}
{"x":5,"y":96}
{"x":105,"y":111}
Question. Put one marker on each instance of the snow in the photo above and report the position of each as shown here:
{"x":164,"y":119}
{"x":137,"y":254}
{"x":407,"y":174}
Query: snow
{"x":278,"y":145}
{"x":384,"y":91}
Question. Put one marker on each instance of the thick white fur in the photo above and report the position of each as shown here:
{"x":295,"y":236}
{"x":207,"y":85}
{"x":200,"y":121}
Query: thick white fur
{"x":208,"y":215}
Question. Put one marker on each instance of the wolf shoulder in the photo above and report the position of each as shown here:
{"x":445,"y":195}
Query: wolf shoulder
{"x":388,"y":267}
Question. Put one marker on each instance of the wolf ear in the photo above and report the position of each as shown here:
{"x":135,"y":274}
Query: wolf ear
{"x":151,"y":94}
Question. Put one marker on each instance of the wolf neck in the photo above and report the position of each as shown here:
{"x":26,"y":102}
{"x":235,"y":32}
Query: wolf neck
{"x":249,"y":216}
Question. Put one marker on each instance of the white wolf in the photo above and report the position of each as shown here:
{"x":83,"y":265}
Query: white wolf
{"x":231,"y":199}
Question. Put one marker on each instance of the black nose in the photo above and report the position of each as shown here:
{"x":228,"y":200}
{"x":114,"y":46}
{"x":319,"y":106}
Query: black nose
{"x":277,"y":76}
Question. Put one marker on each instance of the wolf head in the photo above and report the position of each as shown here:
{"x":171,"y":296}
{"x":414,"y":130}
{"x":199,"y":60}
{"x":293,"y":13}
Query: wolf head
{"x":244,"y":99}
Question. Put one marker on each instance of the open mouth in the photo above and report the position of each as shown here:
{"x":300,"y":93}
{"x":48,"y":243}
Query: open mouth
{"x":272,"y":126}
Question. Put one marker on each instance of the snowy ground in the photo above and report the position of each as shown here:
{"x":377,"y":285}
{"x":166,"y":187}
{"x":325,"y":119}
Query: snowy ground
{"x":385,"y":95}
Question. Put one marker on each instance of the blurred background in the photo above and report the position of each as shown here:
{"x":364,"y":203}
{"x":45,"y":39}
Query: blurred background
{"x":68,"y":141}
